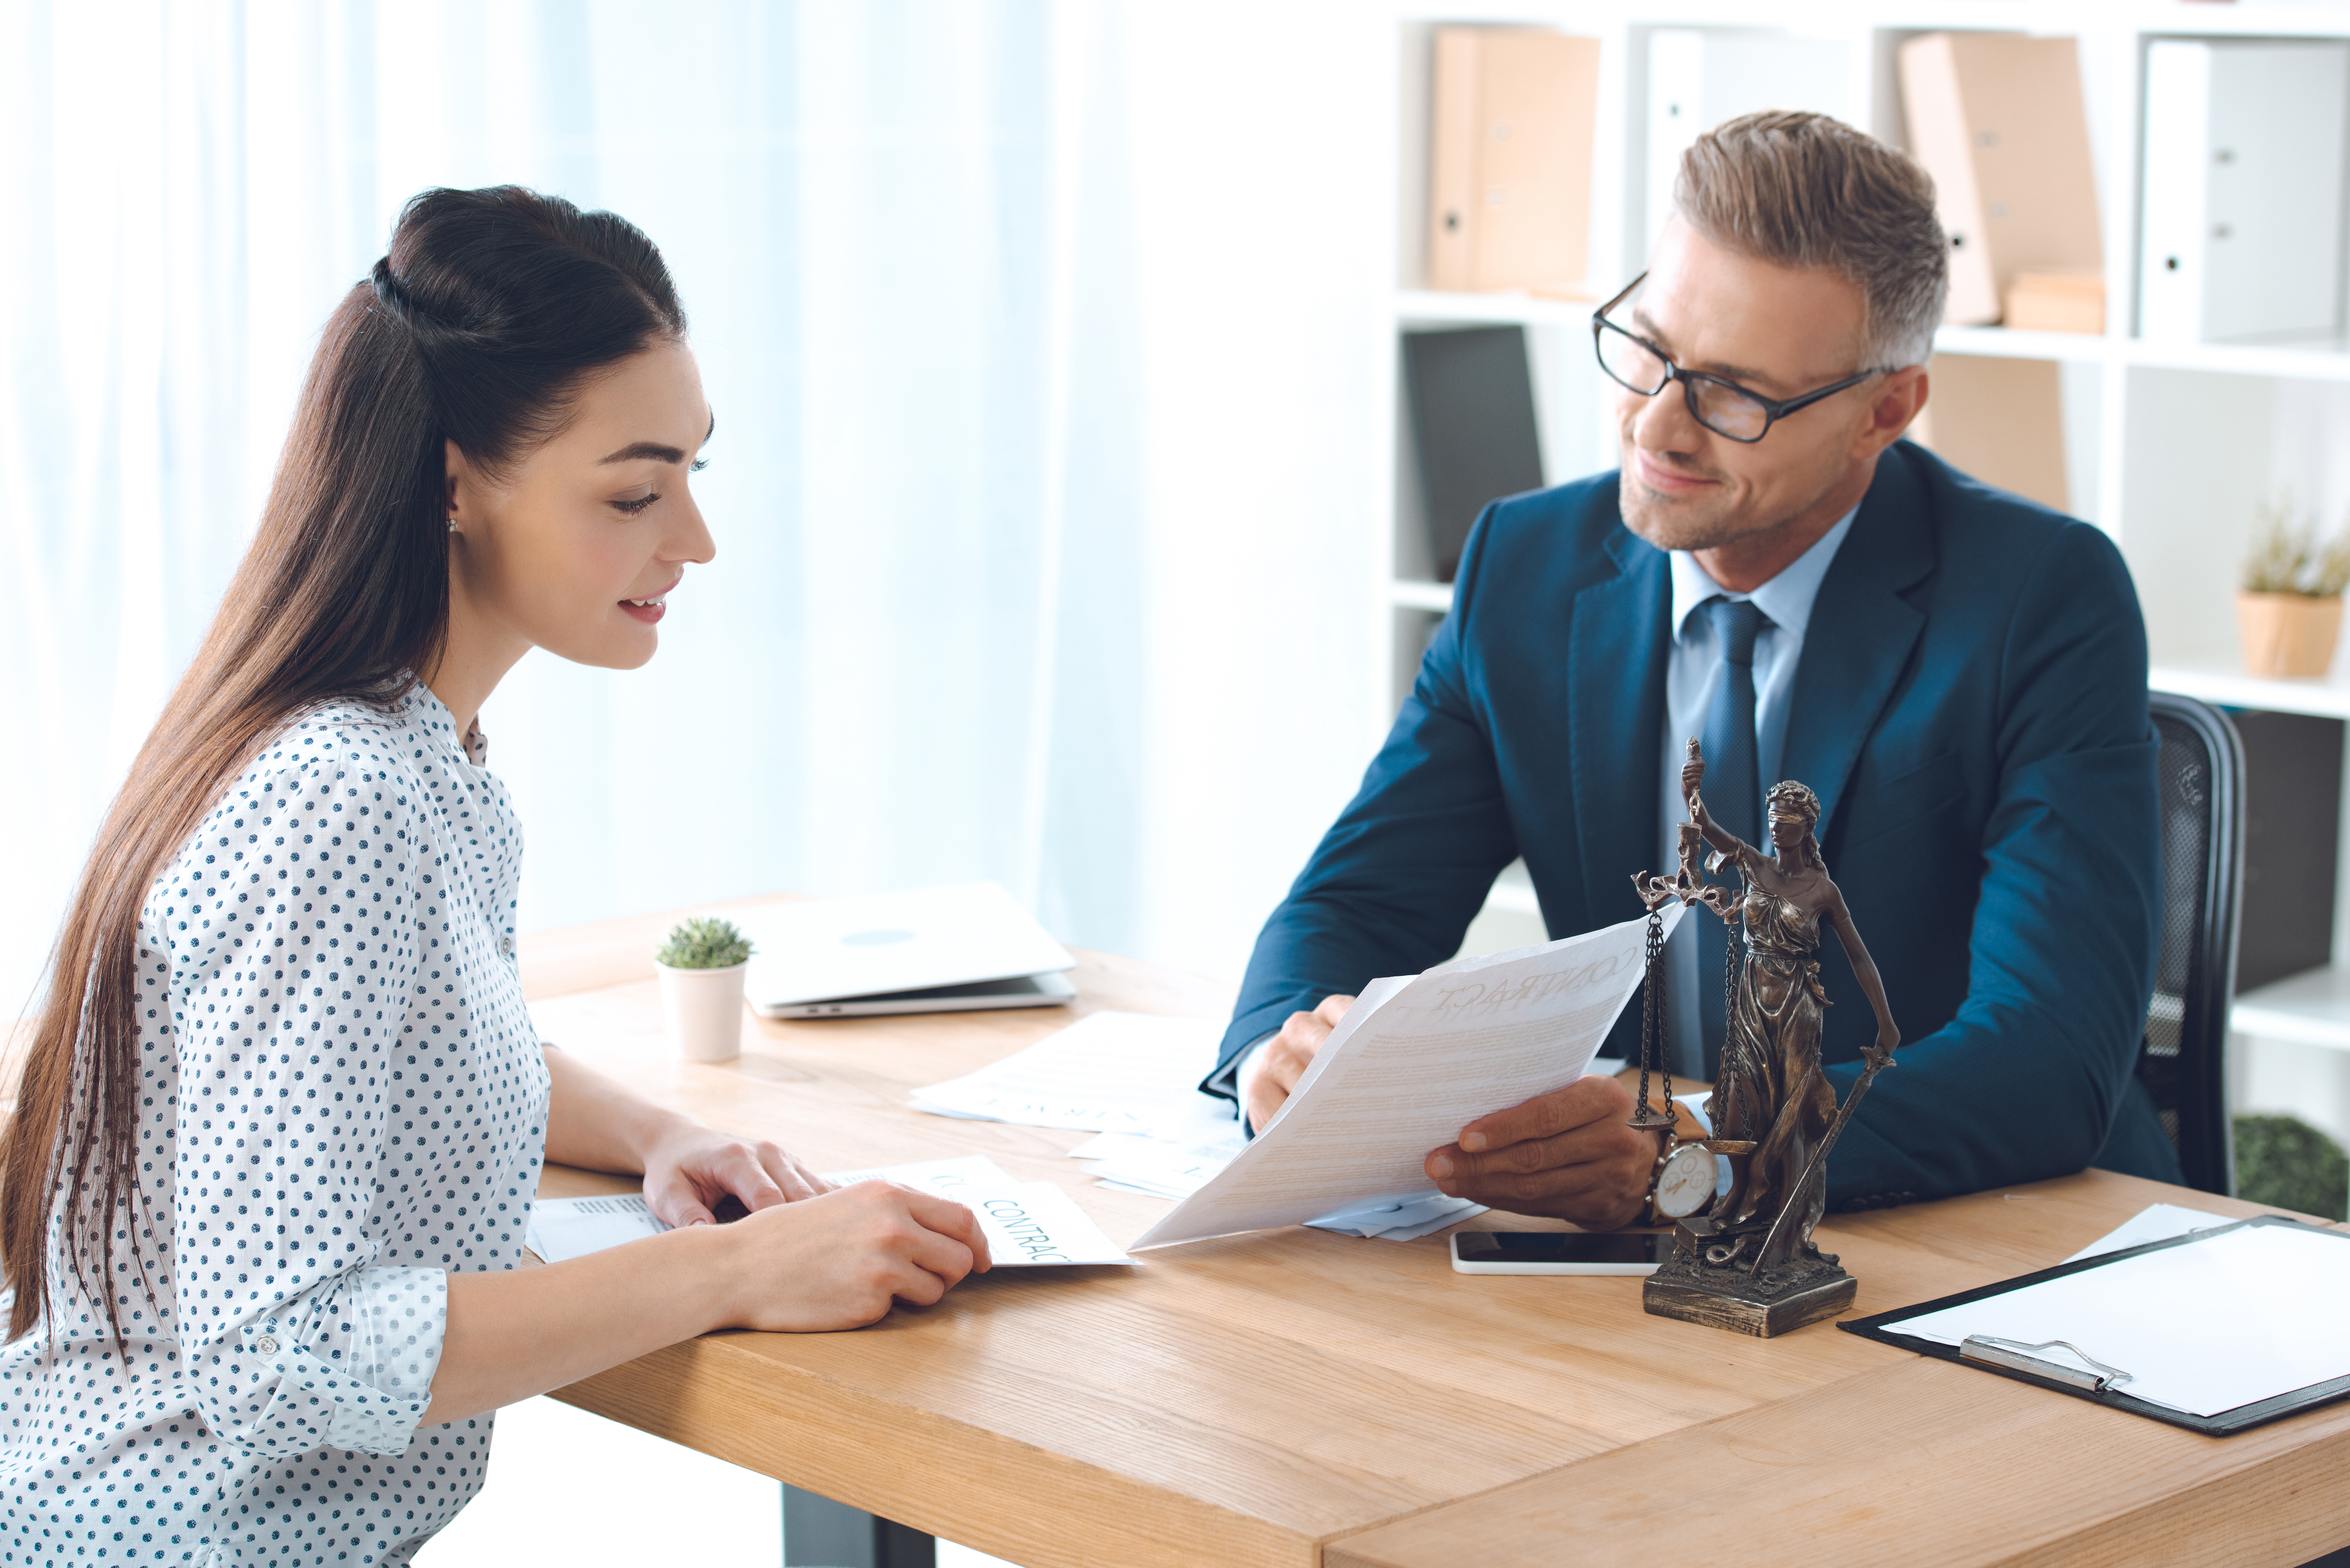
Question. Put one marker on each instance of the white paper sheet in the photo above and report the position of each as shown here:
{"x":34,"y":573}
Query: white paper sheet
{"x":1167,"y":1169}
{"x":1413,"y":1062}
{"x":2155,"y":1222}
{"x":2221,"y":1323}
{"x":1108,"y":1071}
{"x":1405,"y":1219}
{"x":562,"y":1229}
{"x":1028,"y":1224}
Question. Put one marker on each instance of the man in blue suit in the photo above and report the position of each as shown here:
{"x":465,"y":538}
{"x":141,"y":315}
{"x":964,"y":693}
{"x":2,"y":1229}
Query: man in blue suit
{"x":1959,"y":675}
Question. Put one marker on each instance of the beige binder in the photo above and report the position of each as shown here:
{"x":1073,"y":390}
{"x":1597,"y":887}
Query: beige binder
{"x":2056,"y":302}
{"x":1997,"y":120}
{"x":2001,"y":421}
{"x":1510,"y":135}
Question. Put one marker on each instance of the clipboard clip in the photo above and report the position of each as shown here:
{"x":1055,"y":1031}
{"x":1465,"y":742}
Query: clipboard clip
{"x":2017,"y":1356}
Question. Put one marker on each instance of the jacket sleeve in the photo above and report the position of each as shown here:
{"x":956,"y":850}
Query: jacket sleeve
{"x":1395,"y":882}
{"x":293,"y":952}
{"x":2026,"y":1081}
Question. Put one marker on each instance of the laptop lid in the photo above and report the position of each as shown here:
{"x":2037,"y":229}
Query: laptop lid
{"x":827,"y":948}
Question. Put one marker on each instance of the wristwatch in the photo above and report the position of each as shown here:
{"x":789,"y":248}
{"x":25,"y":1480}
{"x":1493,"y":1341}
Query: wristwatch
{"x":1681,"y":1184}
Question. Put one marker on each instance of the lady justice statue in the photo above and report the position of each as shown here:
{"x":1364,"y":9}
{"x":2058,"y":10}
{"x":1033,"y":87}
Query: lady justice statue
{"x":1748,"y":1262}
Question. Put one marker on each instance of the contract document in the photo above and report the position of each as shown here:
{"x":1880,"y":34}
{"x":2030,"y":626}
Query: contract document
{"x":1414,"y":1060}
{"x":1028,"y":1224}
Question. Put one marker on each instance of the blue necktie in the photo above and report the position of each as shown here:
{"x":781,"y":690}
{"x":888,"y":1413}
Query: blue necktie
{"x":1732,"y":791}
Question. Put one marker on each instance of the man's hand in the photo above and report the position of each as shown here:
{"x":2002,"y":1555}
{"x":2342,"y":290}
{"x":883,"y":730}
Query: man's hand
{"x":1567,"y":1154}
{"x":1266,"y":1088}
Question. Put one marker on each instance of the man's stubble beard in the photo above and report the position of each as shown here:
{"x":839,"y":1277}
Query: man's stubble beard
{"x":1702,"y":522}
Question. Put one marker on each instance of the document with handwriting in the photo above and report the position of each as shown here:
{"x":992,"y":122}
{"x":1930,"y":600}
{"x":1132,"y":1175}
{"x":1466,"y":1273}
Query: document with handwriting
{"x":1413,"y":1062}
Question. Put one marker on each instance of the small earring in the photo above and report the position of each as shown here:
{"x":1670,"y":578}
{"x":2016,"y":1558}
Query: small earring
{"x":452,"y":524}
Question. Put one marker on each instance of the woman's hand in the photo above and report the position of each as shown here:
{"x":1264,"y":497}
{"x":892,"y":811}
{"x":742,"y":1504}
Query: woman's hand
{"x":834,"y":1260}
{"x":689,"y":1170}
{"x":838,"y":1261}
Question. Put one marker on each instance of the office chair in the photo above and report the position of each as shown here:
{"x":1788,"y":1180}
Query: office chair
{"x":2183,"y":1056}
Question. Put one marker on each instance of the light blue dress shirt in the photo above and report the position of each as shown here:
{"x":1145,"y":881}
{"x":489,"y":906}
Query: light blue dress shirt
{"x":1692,"y":669}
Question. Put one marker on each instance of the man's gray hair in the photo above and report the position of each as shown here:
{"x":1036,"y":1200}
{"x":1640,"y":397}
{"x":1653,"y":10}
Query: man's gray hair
{"x":1801,"y":190}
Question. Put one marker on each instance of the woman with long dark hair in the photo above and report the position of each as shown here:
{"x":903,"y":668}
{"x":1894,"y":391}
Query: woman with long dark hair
{"x":282,"y":1116}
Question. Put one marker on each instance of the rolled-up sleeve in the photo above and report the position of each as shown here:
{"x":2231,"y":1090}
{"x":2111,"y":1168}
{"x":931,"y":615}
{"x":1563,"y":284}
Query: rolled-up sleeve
{"x":293,"y":967}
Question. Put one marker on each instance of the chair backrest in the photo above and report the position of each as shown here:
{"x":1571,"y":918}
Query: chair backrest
{"x":2183,"y":1058}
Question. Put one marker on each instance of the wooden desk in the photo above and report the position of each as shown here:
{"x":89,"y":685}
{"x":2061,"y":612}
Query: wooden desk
{"x":1297,"y":1398}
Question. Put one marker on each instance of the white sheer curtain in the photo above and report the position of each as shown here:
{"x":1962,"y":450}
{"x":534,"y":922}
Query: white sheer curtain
{"x":1043,"y":342}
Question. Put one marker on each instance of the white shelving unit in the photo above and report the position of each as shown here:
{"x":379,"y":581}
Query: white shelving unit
{"x":2169,"y":446}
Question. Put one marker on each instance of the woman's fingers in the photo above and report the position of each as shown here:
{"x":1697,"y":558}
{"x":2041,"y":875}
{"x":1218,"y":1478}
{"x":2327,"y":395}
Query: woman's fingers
{"x":794,"y":1180}
{"x":947,"y":1218}
{"x":674,"y":1202}
{"x":741,"y":1172}
{"x":942,"y":1261}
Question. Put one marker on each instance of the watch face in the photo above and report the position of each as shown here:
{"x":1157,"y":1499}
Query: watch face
{"x":1686,"y":1184}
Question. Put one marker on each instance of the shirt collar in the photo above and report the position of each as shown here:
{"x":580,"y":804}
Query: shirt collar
{"x":1785,"y":598}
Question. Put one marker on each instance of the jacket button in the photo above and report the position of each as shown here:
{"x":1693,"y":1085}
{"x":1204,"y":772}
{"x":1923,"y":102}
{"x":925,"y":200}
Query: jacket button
{"x":267,"y":1345}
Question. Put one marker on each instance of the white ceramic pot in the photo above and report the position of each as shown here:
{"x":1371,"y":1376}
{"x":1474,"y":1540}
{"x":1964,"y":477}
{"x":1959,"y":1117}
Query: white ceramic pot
{"x":704,"y":1010}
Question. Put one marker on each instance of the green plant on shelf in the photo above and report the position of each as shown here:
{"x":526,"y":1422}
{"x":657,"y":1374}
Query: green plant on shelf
{"x":2286,"y":560}
{"x":2285,"y":1163}
{"x":703,"y":944}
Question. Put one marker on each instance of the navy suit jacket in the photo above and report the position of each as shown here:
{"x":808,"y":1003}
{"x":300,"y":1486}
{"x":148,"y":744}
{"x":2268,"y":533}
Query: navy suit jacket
{"x":1970,"y":708}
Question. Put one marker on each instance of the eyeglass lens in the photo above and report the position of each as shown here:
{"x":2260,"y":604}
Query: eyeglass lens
{"x":1723,"y":409}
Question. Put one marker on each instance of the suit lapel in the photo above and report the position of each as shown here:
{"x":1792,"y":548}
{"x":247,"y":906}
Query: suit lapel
{"x":1616,"y":708}
{"x":1860,"y":635}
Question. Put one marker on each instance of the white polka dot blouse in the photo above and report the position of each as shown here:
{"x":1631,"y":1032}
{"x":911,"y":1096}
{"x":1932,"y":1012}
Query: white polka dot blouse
{"x":344,"y":1100}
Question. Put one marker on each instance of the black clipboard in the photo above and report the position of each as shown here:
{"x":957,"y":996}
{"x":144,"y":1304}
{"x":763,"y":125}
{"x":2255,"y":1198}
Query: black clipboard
{"x":2067,"y":1380}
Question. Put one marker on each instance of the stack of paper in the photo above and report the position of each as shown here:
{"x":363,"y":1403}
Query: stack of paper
{"x":1404,"y":1219}
{"x":1129,"y":1076}
{"x":1108,"y":1071}
{"x":1159,"y":1167}
{"x":1028,"y":1223}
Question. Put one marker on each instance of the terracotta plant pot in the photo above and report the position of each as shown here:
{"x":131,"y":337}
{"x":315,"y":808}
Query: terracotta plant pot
{"x":704,"y":1008}
{"x":2287,"y":634}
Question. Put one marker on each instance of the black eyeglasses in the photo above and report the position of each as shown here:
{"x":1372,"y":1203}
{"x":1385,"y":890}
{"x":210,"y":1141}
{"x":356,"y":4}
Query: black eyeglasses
{"x":1725,"y":408}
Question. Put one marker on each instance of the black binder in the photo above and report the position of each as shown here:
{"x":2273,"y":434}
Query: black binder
{"x":2015,"y":1361}
{"x":1472,"y":418}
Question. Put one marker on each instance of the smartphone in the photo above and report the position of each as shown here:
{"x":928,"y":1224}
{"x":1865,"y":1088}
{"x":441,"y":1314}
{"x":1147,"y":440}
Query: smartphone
{"x":1559,"y":1251}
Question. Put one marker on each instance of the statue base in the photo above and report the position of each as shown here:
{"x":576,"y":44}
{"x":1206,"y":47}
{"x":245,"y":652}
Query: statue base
{"x":1727,"y":1295}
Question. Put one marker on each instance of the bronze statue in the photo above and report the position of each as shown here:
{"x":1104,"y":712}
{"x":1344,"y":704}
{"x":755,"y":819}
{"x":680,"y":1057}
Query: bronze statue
{"x":1749,"y":1261}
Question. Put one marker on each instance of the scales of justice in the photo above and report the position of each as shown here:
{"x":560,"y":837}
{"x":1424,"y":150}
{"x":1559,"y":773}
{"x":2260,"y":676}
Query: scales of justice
{"x":1746,"y":1260}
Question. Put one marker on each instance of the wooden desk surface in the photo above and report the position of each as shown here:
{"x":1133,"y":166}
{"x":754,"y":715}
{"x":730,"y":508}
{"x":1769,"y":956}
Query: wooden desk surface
{"x":1259,"y":1399}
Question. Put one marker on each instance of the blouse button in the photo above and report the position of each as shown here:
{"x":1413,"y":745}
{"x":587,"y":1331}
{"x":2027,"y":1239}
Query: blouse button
{"x":505,"y":945}
{"x":267,"y":1345}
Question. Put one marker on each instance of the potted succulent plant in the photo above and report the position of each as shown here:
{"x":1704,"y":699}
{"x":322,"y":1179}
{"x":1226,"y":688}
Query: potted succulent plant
{"x":2289,"y":610}
{"x":701,"y":966}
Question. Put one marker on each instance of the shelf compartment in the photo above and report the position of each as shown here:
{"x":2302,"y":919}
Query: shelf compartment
{"x":1438,"y":308}
{"x":2308,"y":1009}
{"x":2227,"y":686}
{"x":2007,"y":343}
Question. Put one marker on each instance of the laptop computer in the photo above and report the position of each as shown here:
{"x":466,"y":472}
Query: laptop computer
{"x":930,"y":949}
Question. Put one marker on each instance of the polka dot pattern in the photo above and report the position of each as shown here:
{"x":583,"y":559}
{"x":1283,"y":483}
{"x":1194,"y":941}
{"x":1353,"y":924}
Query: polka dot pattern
{"x":342,"y":1101}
